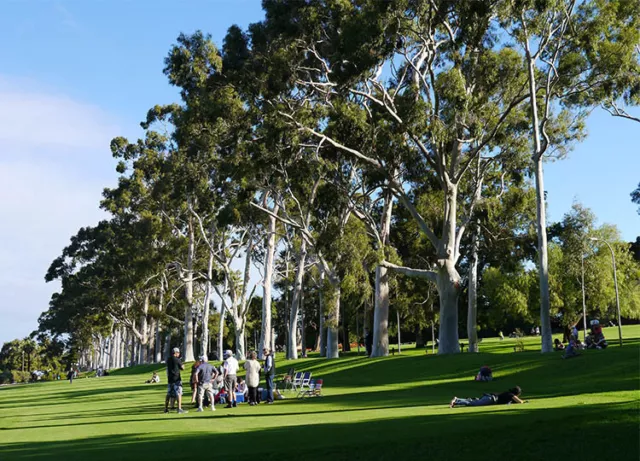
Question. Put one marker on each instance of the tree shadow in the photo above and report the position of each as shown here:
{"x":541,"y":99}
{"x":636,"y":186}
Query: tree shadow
{"x":515,"y":432}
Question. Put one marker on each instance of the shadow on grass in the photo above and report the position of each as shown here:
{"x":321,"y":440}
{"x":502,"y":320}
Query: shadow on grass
{"x":517,"y":433}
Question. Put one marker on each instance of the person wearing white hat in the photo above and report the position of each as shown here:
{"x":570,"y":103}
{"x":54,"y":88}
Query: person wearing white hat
{"x":230,"y":377}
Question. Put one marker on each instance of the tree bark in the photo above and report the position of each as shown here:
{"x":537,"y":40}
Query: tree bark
{"x":144,"y":326}
{"x":292,"y":345}
{"x":158,"y":351}
{"x":381,"y":304}
{"x":240,"y":342}
{"x":472,"y":314}
{"x":188,"y":294}
{"x":321,"y":324}
{"x":265,"y":330}
{"x":541,"y":225}
{"x":419,"y":337}
{"x":447,"y":283}
{"x":221,"y":332}
{"x":303,"y":334}
{"x":204,"y":340}
{"x":333,"y":319}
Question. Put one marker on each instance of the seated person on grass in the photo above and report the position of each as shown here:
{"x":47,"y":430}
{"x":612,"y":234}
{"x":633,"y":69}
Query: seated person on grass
{"x":505,"y":398}
{"x":154,"y":379}
{"x":485,"y":374}
{"x":242,"y":388}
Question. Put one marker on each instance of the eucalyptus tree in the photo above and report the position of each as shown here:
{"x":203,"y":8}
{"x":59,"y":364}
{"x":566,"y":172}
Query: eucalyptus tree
{"x":577,"y":55}
{"x":435,"y":75}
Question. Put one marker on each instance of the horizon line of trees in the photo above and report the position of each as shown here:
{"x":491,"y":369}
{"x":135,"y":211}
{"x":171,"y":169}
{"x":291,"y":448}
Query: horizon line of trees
{"x":364,"y":157}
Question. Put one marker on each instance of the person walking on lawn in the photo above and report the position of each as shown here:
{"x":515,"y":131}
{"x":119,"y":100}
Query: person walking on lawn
{"x":230,"y":377}
{"x":174,"y":381}
{"x":204,"y":375}
{"x":269,"y":373}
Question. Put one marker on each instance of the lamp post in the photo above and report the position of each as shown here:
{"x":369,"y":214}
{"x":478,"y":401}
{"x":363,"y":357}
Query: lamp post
{"x":615,"y":282}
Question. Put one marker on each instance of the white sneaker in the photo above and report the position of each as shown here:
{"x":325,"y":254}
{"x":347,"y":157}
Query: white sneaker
{"x":213,"y":408}
{"x":199,"y":409}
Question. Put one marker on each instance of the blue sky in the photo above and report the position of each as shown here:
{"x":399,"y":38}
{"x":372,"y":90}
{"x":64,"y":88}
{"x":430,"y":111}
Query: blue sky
{"x":74,"y":74}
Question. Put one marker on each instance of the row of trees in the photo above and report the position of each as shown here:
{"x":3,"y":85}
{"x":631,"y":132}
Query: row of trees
{"x":354,"y":154}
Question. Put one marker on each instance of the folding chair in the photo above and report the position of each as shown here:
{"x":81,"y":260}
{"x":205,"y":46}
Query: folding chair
{"x":296,"y":381}
{"x":287,"y":380}
{"x":305,"y":381}
{"x":315,"y":390}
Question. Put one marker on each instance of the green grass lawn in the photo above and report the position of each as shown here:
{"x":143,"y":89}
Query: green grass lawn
{"x":389,"y":408}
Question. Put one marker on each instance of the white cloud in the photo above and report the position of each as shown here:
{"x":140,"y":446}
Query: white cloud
{"x":54,"y":163}
{"x":33,"y":119}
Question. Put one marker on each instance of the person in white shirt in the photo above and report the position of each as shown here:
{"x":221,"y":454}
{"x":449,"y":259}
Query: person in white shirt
{"x":230,"y":377}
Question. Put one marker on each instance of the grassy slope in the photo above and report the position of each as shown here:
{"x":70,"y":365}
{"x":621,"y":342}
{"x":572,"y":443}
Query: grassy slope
{"x":395,"y":407}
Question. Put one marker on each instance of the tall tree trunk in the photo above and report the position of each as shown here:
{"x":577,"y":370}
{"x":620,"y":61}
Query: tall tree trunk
{"x":158,"y":343}
{"x":292,"y":345}
{"x":167,"y":344}
{"x":332,"y":304}
{"x":265,"y":330}
{"x":346,"y":344}
{"x":303,"y":326}
{"x":380,"y":346}
{"x":240,"y":341}
{"x":221,"y":332}
{"x":419,"y":337}
{"x":448,"y":283}
{"x":541,"y":224}
{"x":204,"y":340}
{"x":472,"y":313}
{"x":447,"y":277}
{"x":144,"y":330}
{"x":322,"y":329}
{"x":188,"y":294}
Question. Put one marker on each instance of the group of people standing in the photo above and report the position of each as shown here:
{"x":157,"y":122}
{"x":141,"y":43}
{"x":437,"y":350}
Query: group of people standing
{"x":207,"y":380}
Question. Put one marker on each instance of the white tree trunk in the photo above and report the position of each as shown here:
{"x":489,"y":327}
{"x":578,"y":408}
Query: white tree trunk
{"x":144,"y":330}
{"x":381,"y":304}
{"x":204,"y":340}
{"x":292,"y":347}
{"x":447,"y":283}
{"x":240,"y":342}
{"x":265,"y":329}
{"x":381,"y":314}
{"x":472,"y":314}
{"x":223,"y":312}
{"x":322,"y":329}
{"x":158,"y":344}
{"x":545,"y":304}
{"x":188,"y":355}
{"x":333,"y":320}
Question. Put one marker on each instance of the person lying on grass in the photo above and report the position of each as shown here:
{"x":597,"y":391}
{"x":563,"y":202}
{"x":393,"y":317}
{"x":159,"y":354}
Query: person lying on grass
{"x":505,"y":398}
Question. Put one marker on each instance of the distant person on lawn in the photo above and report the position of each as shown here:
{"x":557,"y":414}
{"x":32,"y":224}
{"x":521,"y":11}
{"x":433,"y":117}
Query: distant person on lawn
{"x":154,"y":379}
{"x":269,"y":373}
{"x":230,"y":367}
{"x":253,"y":377}
{"x":204,"y":375}
{"x":505,"y":398}
{"x":174,"y":380}
{"x":193,"y":381}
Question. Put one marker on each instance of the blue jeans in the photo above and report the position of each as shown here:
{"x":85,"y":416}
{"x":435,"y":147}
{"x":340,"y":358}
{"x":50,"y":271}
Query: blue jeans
{"x":482,"y":401}
{"x":269,"y":379}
